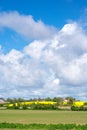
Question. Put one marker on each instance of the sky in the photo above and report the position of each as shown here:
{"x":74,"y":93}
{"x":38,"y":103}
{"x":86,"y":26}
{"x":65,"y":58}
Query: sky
{"x":43,"y":48}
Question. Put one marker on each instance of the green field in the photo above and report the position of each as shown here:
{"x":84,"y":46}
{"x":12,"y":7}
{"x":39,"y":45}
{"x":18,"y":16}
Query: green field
{"x":43,"y":117}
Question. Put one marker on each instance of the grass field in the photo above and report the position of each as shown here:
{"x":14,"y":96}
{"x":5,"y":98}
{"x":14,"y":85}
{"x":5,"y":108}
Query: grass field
{"x":43,"y":117}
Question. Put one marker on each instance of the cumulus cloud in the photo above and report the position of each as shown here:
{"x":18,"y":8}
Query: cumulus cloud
{"x":26,"y":25}
{"x":55,"y":66}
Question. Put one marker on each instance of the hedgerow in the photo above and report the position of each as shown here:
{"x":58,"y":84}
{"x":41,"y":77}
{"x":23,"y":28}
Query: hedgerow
{"x":34,"y":106}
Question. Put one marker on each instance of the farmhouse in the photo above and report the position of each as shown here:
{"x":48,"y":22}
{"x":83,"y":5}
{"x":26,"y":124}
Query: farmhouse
{"x":2,"y":101}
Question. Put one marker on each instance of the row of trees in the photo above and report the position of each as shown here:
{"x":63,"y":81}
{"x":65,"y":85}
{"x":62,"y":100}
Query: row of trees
{"x":59,"y":100}
{"x":70,"y":102}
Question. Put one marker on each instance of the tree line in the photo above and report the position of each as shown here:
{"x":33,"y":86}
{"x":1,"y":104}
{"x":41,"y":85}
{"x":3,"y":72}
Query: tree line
{"x":59,"y":100}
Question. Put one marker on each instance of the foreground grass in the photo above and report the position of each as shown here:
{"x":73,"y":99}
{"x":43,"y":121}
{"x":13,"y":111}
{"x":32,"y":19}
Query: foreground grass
{"x":43,"y":117}
{"x":43,"y":126}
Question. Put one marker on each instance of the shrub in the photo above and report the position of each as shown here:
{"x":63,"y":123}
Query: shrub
{"x":24,"y":107}
{"x":44,"y":107}
{"x":75,"y":108}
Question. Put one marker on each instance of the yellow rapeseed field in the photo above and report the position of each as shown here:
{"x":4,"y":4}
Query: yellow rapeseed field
{"x":78,"y":103}
{"x":33,"y":102}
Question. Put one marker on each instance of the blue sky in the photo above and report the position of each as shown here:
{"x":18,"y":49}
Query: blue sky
{"x":54,"y":12}
{"x":51,"y":12}
{"x":44,"y":45}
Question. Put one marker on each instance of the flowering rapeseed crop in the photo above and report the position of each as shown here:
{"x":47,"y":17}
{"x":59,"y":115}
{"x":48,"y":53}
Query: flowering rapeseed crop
{"x":32,"y":102}
{"x":78,"y":103}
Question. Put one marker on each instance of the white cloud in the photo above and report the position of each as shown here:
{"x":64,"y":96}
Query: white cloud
{"x":26,"y":25}
{"x":50,"y":67}
{"x":37,"y":47}
{"x":75,"y":71}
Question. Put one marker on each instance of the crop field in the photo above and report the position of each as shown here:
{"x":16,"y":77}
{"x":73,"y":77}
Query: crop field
{"x":42,"y":120}
{"x":43,"y":117}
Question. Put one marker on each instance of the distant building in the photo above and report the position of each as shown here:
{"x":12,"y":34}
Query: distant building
{"x":2,"y":101}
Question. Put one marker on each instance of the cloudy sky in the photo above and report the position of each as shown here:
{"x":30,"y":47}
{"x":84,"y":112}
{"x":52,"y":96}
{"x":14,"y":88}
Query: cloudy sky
{"x":43,"y":48}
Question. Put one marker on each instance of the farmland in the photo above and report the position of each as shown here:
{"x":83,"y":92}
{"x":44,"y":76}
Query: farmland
{"x":43,"y":117}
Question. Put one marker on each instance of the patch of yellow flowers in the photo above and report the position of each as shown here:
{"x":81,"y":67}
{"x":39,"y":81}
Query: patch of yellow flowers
{"x":33,"y":102}
{"x":78,"y":103}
